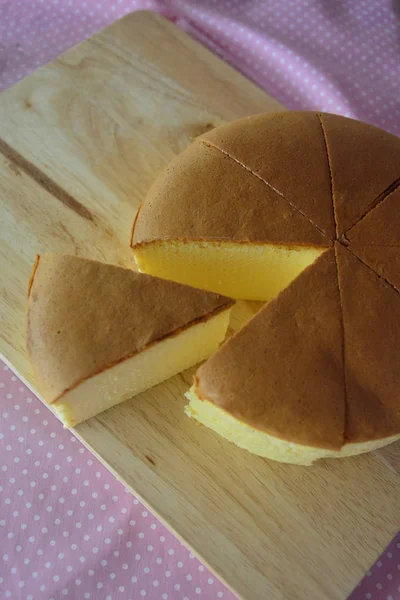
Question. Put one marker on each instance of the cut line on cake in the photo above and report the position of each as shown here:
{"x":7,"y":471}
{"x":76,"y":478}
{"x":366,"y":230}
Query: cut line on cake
{"x":344,"y":338}
{"x":391,"y":189}
{"x":218,"y":149}
{"x":350,"y":251}
{"x":330,"y":173}
{"x":354,"y":253}
{"x":346,"y":411}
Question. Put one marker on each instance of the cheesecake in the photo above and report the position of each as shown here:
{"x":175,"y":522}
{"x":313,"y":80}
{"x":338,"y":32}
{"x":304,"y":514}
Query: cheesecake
{"x":98,"y":334}
{"x":300,"y":209}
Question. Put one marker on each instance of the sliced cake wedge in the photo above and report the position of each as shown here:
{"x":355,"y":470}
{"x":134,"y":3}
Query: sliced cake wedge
{"x":371,"y":310}
{"x":98,"y":334}
{"x":277,"y":388}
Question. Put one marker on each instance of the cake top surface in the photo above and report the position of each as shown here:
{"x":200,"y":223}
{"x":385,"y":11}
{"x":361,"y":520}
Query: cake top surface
{"x":85,"y":316}
{"x":289,"y":178}
{"x":370,"y":313}
{"x":205,"y":195}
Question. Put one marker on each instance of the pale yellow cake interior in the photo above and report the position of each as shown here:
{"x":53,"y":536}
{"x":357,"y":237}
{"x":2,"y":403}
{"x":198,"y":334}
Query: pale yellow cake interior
{"x":263,"y":444}
{"x":153,"y":365}
{"x":245,"y":271}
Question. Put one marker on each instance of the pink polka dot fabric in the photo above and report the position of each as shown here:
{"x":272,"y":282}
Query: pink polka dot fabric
{"x":67,"y":527}
{"x":336,"y":56}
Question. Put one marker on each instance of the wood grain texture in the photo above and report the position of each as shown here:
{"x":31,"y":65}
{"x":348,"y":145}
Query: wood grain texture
{"x":80,"y":142}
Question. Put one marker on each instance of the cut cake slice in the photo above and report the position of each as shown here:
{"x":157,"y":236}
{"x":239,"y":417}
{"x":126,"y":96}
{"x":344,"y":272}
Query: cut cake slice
{"x":371,"y":311}
{"x":277,"y":387}
{"x":99,"y":334}
{"x":308,"y":378}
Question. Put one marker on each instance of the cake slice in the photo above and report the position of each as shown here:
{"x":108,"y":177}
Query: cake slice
{"x":99,"y":334}
{"x":371,"y":311}
{"x":208,"y":221}
{"x":277,"y":387}
{"x":314,"y":374}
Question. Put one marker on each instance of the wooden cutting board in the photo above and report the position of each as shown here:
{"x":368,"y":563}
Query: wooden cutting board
{"x":80,"y":142}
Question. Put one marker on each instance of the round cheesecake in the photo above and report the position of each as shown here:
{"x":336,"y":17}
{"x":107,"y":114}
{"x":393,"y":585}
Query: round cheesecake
{"x":301,"y":209}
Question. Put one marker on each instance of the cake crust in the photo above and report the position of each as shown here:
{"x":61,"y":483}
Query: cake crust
{"x":287,"y":151}
{"x":371,"y":310}
{"x":380,"y":226}
{"x":204,"y":194}
{"x":364,"y":164}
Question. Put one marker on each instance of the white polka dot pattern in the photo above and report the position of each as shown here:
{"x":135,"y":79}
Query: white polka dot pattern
{"x":310,"y":54}
{"x":69,"y":529}
{"x":61,"y":538}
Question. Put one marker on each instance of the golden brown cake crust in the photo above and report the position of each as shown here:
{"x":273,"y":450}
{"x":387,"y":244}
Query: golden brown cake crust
{"x":205,"y":195}
{"x":85,"y":316}
{"x":283,"y":372}
{"x":380,"y":226}
{"x":384,"y":260}
{"x":287,"y":150}
{"x":280,"y":178}
{"x":364,"y":163}
{"x":371,"y":314}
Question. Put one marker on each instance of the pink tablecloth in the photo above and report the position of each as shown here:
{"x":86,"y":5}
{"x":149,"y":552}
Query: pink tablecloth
{"x":67,"y":528}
